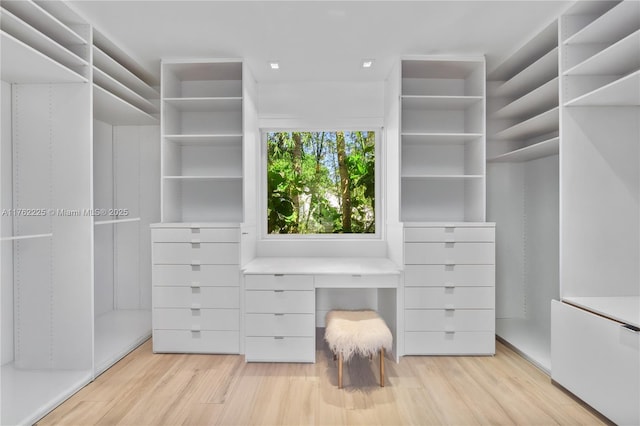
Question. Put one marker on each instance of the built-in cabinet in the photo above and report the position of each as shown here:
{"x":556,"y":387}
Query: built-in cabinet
{"x":523,"y":197}
{"x":62,"y":156}
{"x":595,"y":348}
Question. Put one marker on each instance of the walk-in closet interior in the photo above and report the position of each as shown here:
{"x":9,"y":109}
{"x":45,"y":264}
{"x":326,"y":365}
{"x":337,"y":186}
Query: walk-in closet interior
{"x":135,"y":187}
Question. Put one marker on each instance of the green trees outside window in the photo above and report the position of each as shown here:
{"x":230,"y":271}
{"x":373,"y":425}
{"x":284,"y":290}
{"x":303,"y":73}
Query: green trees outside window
{"x":321,"y":182}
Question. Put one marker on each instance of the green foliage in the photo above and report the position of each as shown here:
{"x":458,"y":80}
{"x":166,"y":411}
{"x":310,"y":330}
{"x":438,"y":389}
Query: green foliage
{"x":303,"y":182}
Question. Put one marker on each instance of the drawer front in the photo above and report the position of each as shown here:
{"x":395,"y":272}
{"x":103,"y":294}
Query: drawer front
{"x":450,"y":234}
{"x":196,"y":275}
{"x":445,"y":343}
{"x":280,"y":302}
{"x":196,"y":319}
{"x":197,"y":298}
{"x":196,"y":254}
{"x":449,"y":298}
{"x":278,"y":282}
{"x":280,"y":349}
{"x":280,"y":325}
{"x":449,"y":253}
{"x":195,"y":235}
{"x":204,"y":342}
{"x":357,"y":281}
{"x":449,"y":320}
{"x":442,"y":275}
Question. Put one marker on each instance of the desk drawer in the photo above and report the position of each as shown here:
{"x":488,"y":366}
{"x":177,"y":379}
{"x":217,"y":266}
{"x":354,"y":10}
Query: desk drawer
{"x":203,"y":297}
{"x":196,"y":319}
{"x":449,"y":343}
{"x":195,"y":235}
{"x":186,"y":341}
{"x":449,"y":234}
{"x":357,"y":281}
{"x":441,"y":275}
{"x":449,"y":298}
{"x":196,"y":275}
{"x":449,"y":253}
{"x":280,"y":349}
{"x":280,"y":325}
{"x":449,"y":320}
{"x":278,"y":282}
{"x":280,"y":302}
{"x":196,"y":254}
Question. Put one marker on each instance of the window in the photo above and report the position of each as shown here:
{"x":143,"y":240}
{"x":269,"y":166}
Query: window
{"x":321,"y":182}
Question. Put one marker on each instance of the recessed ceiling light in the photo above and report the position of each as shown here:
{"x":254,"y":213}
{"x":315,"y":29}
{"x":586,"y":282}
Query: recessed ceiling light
{"x":275,"y":65}
{"x":367,"y":63}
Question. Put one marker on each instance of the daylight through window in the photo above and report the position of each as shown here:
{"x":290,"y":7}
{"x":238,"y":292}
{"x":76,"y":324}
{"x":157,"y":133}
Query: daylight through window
{"x":321,"y":182}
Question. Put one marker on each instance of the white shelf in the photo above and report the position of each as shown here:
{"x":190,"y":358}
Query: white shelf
{"x":117,"y":71}
{"x":540,"y":98}
{"x":23,"y":64}
{"x":439,"y":102}
{"x":114,"y":110}
{"x":439,"y":138}
{"x":24,"y":32}
{"x":44,"y":21}
{"x":26,"y":237}
{"x":197,"y":178}
{"x":624,"y":91}
{"x":214,"y":140}
{"x":624,"y":309}
{"x":620,"y":58}
{"x":541,"y":71}
{"x":214,"y":104}
{"x":439,"y":68}
{"x":116,"y":221}
{"x":27,"y":395}
{"x":430,"y":176}
{"x":530,"y":339}
{"x":531,"y":152}
{"x":112,"y":85}
{"x":616,"y":23}
{"x":117,"y":333}
{"x":546,"y":122}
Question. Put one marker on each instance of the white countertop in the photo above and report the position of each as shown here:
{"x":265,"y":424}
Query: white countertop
{"x":322,"y":265}
{"x":625,"y":309}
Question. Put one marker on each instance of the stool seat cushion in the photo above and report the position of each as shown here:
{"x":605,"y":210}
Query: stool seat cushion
{"x":356,"y":332}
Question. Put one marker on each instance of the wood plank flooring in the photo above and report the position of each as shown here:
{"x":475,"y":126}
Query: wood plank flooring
{"x":148,"y":389}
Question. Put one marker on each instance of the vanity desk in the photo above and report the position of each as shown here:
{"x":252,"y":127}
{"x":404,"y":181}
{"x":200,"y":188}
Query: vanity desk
{"x":280,"y":303}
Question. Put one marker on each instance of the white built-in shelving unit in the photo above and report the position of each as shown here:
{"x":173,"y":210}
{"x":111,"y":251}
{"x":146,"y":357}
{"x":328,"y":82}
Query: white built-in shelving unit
{"x":442,"y":140}
{"x":202,"y":139}
{"x":600,"y":230}
{"x":522,"y":149}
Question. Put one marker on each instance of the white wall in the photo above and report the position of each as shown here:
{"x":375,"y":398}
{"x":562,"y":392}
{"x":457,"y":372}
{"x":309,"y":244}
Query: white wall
{"x":6,"y":250}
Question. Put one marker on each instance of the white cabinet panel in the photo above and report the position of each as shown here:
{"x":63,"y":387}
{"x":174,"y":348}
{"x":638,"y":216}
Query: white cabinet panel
{"x":196,"y":319}
{"x":280,"y":325}
{"x":190,"y":297}
{"x":449,"y":343}
{"x":449,"y":253}
{"x":280,"y":301}
{"x":449,"y":320}
{"x":449,"y":298}
{"x":278,"y":282}
{"x":196,"y":275}
{"x":281,"y":349}
{"x":441,"y":275}
{"x":196,"y":235}
{"x":206,"y":342}
{"x":356,"y":281}
{"x":196,"y":254}
{"x":449,"y":234}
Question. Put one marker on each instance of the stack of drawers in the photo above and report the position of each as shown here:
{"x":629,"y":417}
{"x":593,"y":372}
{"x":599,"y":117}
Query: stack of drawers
{"x":449,"y":294}
{"x":280,"y":318}
{"x":196,"y":288}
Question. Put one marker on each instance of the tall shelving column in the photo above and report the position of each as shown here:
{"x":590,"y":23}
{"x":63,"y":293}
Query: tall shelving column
{"x":46,"y":175}
{"x":126,"y":199}
{"x":595,"y":338}
{"x":523,"y":192}
{"x":449,"y":251}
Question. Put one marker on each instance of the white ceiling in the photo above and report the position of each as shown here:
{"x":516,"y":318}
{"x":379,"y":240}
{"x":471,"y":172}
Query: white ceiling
{"x":317,"y":40}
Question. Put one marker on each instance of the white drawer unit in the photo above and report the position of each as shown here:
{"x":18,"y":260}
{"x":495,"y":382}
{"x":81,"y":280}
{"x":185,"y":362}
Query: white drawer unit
{"x":280,"y":318}
{"x":449,"y":289}
{"x":196,"y":288}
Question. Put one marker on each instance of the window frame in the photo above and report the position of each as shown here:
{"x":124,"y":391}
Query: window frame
{"x":379,"y":190}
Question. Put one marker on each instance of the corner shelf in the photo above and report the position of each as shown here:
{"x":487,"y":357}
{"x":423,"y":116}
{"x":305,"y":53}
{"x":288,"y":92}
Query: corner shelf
{"x":620,"y":58}
{"x":624,"y":91}
{"x":543,"y":123}
{"x":114,"y":110}
{"x":117,"y":71}
{"x":536,"y":74}
{"x":532,"y":152}
{"x":537,"y":100}
{"x":117,"y":88}
{"x":611,"y":26}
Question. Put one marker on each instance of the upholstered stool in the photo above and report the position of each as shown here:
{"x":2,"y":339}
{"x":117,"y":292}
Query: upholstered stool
{"x":357,"y":332}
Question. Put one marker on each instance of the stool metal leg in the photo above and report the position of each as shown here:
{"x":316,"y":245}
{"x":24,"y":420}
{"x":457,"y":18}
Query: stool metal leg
{"x":340,"y":370}
{"x":381,"y":367}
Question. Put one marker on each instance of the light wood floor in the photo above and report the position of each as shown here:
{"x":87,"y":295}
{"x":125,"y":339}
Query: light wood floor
{"x":148,"y":389}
